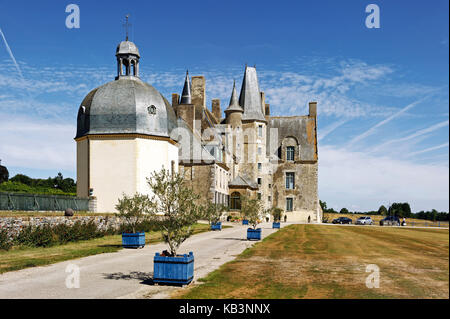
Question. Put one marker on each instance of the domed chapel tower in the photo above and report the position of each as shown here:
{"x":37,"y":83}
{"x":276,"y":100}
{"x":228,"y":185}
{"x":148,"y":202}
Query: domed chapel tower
{"x":123,"y":135}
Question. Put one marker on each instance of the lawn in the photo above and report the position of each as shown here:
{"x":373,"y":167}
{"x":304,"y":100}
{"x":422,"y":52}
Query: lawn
{"x":327,"y":261}
{"x":25,"y":257}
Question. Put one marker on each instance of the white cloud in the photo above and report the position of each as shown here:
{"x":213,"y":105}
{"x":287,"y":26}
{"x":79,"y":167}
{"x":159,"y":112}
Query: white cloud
{"x":356,"y":178}
{"x":39,"y":144}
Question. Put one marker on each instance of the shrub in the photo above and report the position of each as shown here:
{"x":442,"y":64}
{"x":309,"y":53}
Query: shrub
{"x":251,"y":209}
{"x":45,"y":236}
{"x":134,"y":211}
{"x":5,"y":242}
{"x":41,"y":236}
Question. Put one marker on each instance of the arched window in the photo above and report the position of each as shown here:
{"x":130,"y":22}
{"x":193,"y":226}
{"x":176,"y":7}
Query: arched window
{"x":235,"y":201}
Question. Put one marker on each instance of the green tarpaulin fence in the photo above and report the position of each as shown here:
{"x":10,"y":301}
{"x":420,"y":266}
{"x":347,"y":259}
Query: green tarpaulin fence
{"x":15,"y":201}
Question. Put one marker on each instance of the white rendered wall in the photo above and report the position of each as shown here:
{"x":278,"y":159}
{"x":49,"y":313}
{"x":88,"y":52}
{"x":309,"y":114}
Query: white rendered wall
{"x":120,"y":166}
{"x":153,"y":155}
{"x":112,"y":171}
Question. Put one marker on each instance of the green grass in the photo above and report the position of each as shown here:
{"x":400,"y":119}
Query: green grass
{"x":24,"y":257}
{"x":320,"y":261}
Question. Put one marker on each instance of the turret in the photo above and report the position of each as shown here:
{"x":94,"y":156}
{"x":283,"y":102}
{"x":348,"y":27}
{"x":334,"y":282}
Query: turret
{"x":234,"y":111}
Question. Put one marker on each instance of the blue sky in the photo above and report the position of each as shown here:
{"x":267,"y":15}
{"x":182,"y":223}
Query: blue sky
{"x":382,"y":93}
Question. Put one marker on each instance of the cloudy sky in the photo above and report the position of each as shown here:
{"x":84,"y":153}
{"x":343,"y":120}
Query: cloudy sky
{"x":382,"y":94}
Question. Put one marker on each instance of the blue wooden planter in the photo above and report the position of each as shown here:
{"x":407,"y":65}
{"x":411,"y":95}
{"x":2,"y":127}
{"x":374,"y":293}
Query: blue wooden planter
{"x":276,"y":225}
{"x":253,"y":234}
{"x":216,"y":226}
{"x":245,"y":222}
{"x":133,"y":240}
{"x":173,"y":270}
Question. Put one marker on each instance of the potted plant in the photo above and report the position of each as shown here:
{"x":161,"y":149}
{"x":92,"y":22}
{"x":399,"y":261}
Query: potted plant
{"x":133,"y":211}
{"x":212,"y":212}
{"x":251,"y":208}
{"x":175,"y":212}
{"x":276,"y":214}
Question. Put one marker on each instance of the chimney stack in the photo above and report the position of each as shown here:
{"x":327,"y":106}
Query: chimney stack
{"x":175,"y":99}
{"x":198,"y":91}
{"x":313,"y":109}
{"x":216,"y":109}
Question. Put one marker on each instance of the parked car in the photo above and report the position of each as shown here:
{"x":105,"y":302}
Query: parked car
{"x":364,"y":220}
{"x":342,"y":220}
{"x":390,"y":221}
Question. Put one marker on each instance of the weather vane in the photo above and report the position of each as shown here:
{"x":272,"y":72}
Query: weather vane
{"x":126,"y":25}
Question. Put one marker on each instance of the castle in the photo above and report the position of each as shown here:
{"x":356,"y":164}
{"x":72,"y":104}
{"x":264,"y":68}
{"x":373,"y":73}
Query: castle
{"x":126,"y":129}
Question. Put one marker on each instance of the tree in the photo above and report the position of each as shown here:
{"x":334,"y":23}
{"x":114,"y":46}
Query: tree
{"x":276,"y":213}
{"x":134,"y":210}
{"x":344,"y":211}
{"x":24,"y":179}
{"x":382,"y":210}
{"x":173,"y":207}
{"x":212,"y":212}
{"x":323,"y":205}
{"x":251,"y":209}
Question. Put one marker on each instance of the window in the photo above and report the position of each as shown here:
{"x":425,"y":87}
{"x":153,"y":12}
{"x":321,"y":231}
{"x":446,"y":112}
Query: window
{"x":259,"y":195}
{"x":290,"y":150}
{"x":259,"y":180}
{"x":259,"y":150}
{"x":259,"y":167}
{"x":260,"y":130}
{"x":269,"y":198}
{"x":290,"y":177}
{"x":289,"y":204}
{"x":270,"y":185}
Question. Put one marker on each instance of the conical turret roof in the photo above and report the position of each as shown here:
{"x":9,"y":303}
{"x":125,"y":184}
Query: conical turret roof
{"x":186,"y":95}
{"x":250,"y":97}
{"x":234,"y":104}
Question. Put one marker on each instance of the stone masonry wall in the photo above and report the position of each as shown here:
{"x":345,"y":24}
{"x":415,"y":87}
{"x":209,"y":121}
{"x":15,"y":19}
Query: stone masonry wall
{"x":15,"y":224}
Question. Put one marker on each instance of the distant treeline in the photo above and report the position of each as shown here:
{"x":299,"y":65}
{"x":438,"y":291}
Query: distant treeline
{"x":57,"y":185}
{"x":396,"y":209}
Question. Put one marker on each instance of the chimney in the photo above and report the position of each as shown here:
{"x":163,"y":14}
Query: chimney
{"x":175,"y":99}
{"x":216,"y":109}
{"x":313,"y":109}
{"x":267,"y":113}
{"x":198,"y":91}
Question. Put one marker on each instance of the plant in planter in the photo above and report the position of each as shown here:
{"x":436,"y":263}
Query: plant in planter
{"x":252,"y":208}
{"x":133,"y":211}
{"x":276,"y":214}
{"x":175,"y":212}
{"x":212,"y":213}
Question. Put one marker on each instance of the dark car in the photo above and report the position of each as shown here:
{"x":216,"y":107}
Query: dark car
{"x":390,"y":221}
{"x":342,"y":220}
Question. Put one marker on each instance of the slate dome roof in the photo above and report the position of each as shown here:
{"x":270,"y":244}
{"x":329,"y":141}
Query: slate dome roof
{"x":127,"y":47}
{"x":126,"y":105}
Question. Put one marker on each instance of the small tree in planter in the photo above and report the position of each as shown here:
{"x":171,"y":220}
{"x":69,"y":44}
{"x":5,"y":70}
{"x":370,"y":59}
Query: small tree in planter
{"x":276,"y":214}
{"x":252,"y":208}
{"x":175,"y":212}
{"x":212,"y":213}
{"x":133,"y":211}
